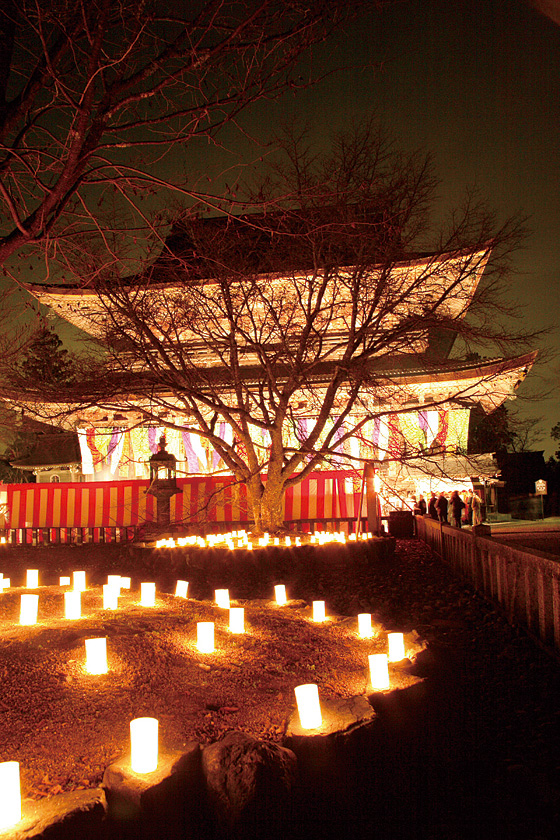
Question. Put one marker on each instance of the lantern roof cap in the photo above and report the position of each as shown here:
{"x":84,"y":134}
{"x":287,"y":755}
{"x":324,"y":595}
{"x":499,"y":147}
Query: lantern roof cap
{"x":162,"y":455}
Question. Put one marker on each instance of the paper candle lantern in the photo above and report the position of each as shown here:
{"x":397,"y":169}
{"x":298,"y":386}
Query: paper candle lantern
{"x":32,"y":579}
{"x":5,"y":583}
{"x":237,"y":619}
{"x":115,"y":581}
{"x":319,"y":611}
{"x":79,"y":581}
{"x":364,"y":626}
{"x":125,"y":583}
{"x":379,"y":670}
{"x":10,"y":794}
{"x":147,"y":594}
{"x":280,"y":593}
{"x":72,"y":605}
{"x":309,"y":708}
{"x":29,"y":609}
{"x":205,"y":636}
{"x":221,"y":597}
{"x":64,"y":581}
{"x":110,"y":597}
{"x":144,"y":745}
{"x":96,"y":656}
{"x":396,"y":647}
{"x":181,"y":589}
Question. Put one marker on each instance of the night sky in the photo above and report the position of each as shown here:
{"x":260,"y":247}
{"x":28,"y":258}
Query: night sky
{"x":478,"y":85}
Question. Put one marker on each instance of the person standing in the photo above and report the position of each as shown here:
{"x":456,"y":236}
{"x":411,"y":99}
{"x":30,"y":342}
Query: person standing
{"x":442,"y":506}
{"x":432,"y":507}
{"x":476,"y":505}
{"x":457,"y":507}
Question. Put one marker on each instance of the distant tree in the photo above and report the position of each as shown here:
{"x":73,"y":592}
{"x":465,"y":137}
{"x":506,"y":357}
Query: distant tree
{"x":502,"y":431}
{"x":44,"y":361}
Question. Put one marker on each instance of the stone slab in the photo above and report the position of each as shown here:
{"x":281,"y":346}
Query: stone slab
{"x":67,"y":816}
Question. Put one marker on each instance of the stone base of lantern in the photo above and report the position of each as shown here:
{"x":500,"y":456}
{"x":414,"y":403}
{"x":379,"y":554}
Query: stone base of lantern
{"x":249,"y":784}
{"x":67,"y":816}
{"x":169,"y":798}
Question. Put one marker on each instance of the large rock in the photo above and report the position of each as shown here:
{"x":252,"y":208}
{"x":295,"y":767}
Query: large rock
{"x":249,"y":784}
{"x":79,"y":814}
{"x":167,"y":802}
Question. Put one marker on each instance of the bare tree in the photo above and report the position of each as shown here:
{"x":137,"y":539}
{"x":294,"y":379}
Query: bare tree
{"x":95,"y":93}
{"x":336,"y":306}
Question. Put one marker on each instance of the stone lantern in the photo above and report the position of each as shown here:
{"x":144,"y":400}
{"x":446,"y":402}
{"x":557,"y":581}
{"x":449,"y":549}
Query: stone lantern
{"x":163,"y":481}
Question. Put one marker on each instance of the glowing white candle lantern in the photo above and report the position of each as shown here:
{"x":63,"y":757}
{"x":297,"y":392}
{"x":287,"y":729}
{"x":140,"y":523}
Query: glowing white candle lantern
{"x":288,"y":541}
{"x":364,"y":626}
{"x":10,"y":794}
{"x":280,"y":593}
{"x":379,"y":670}
{"x":110,"y":597}
{"x":64,"y":581}
{"x":319,"y":611}
{"x":79,"y":581}
{"x":125,"y":583}
{"x":5,"y":583}
{"x":396,"y":647}
{"x":114,"y":580}
{"x":96,"y":656}
{"x":147,"y":594}
{"x":181,"y":589}
{"x":32,"y":579}
{"x":276,"y":540}
{"x":29,"y":609}
{"x":221,"y":597}
{"x":237,"y":619}
{"x":72,"y":605}
{"x":309,"y":707}
{"x":205,"y":636}
{"x":144,"y":745}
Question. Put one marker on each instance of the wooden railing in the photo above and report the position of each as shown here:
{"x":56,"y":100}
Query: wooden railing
{"x":524,"y":582}
{"x":68,"y":536}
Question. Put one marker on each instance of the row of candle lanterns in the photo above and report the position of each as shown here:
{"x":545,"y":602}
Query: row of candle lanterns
{"x":241,"y":539}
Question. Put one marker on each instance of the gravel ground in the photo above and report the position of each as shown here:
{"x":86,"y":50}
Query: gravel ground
{"x":481,"y":757}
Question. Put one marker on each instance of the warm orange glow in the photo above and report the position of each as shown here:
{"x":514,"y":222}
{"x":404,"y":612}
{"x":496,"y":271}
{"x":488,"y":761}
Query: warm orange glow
{"x":280,"y":593}
{"x":364,"y":626}
{"x":181,"y":589}
{"x":319,"y":611}
{"x":110,"y":596}
{"x":10,"y":794}
{"x":379,"y":670}
{"x":147,"y":594}
{"x":222,"y":598}
{"x":396,"y":647}
{"x":205,"y":636}
{"x":72,"y":605}
{"x":79,"y":581}
{"x":144,"y":745}
{"x":309,"y":707}
{"x":29,"y":609}
{"x":32,"y":579}
{"x":237,"y":619}
{"x":96,"y":656}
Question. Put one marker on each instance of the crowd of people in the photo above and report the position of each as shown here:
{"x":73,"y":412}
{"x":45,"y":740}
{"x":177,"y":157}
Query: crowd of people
{"x":455,"y":508}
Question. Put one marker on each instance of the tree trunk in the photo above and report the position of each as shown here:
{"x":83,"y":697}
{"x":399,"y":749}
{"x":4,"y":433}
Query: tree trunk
{"x":267,"y":503}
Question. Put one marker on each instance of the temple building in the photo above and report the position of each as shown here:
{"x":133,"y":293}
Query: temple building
{"x":418,"y":424}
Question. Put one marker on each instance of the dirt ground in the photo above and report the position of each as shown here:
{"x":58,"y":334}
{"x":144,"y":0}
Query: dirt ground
{"x":65,"y":726}
{"x":479,"y":759}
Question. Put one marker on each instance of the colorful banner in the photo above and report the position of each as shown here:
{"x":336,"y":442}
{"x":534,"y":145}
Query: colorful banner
{"x":322,"y":495}
{"x":124,"y":454}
